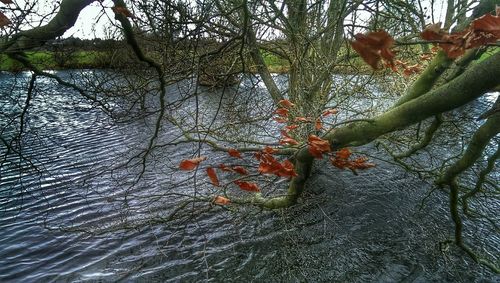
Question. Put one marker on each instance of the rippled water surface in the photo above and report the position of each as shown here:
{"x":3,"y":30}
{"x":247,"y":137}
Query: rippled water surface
{"x":63,"y":223}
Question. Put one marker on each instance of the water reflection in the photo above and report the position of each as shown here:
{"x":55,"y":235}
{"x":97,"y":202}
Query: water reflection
{"x":348,"y":228}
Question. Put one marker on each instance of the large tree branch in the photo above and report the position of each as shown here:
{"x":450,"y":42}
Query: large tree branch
{"x":63,"y":20}
{"x":471,"y":84}
{"x":474,"y":82}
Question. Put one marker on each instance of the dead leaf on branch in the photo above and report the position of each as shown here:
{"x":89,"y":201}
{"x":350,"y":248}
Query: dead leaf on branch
{"x":220,"y":200}
{"x":4,"y":21}
{"x":234,"y":153}
{"x":374,"y":46}
{"x":213,"y":176}
{"x":190,"y":164}
{"x":248,"y":186}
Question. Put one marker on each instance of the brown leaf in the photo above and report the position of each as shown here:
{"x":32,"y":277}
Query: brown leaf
{"x":248,"y":186}
{"x":4,"y":21}
{"x":344,"y":153}
{"x":240,"y":170}
{"x":291,"y":127}
{"x":374,"y":46}
{"x":283,"y":112}
{"x":488,"y":24}
{"x":280,"y":120}
{"x":225,"y":168}
{"x":286,"y":103}
{"x":318,"y":146}
{"x":432,"y":32}
{"x":213,"y":176}
{"x":190,"y":164}
{"x":328,"y":112}
{"x":302,"y":119}
{"x":318,"y":125}
{"x":221,"y":200}
{"x":234,"y":153}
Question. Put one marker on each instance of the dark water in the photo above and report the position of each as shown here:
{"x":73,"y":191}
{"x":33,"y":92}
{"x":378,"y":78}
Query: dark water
{"x":64,"y":222}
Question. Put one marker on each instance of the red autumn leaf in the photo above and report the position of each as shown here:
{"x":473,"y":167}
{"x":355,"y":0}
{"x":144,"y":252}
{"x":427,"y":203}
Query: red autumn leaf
{"x":221,"y":200}
{"x":315,"y":152}
{"x":433,"y":32}
{"x":280,"y":119}
{"x":339,"y":163}
{"x":190,"y":164}
{"x":343,"y":153}
{"x":225,"y":168}
{"x":319,"y":143}
{"x":289,"y":141}
{"x":287,"y":170}
{"x":234,"y":153}
{"x":370,"y":56}
{"x":318,"y":125}
{"x":489,"y":24}
{"x":268,"y":164}
{"x":248,"y":186}
{"x":4,"y":21}
{"x":361,"y":163}
{"x":291,"y":127}
{"x":331,"y":111}
{"x":302,"y":119}
{"x":283,"y":112}
{"x":286,"y":103}
{"x":240,"y":170}
{"x":213,"y":176}
{"x":123,"y":11}
{"x":318,"y":146}
{"x":7,"y":1}
{"x":374,"y":46}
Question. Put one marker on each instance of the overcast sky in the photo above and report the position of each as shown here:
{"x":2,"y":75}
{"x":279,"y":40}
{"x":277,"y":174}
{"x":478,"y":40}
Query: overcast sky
{"x":93,"y":23}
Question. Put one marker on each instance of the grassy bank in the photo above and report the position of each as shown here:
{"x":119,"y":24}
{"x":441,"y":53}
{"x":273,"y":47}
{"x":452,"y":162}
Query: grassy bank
{"x":48,"y":60}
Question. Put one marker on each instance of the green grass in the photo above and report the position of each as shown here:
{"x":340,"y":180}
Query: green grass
{"x":274,"y":63}
{"x":47,"y":60}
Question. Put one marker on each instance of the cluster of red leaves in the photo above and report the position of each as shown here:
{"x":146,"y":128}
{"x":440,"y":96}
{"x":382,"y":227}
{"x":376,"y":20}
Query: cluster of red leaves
{"x":317,"y":146}
{"x":481,"y":31}
{"x":373,"y":47}
{"x":341,"y":160}
{"x":4,"y":21}
{"x":269,"y":165}
{"x":283,"y":111}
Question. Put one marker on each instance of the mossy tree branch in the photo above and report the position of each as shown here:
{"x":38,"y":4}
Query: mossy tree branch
{"x":475,"y":149}
{"x":64,"y":19}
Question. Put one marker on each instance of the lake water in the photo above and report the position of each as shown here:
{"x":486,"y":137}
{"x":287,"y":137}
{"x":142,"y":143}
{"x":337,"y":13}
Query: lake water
{"x":75,"y":214}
